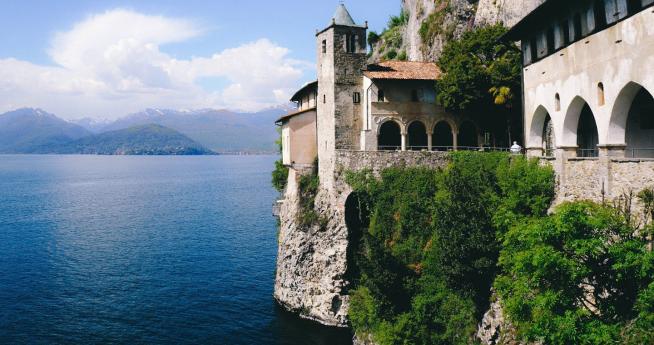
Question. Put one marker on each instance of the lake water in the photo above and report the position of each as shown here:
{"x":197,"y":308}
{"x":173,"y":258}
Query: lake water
{"x":113,"y":249}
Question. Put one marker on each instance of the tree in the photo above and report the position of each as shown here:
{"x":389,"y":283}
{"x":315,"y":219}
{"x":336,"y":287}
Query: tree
{"x":576,"y":277}
{"x":481,"y":77}
{"x":373,"y":38}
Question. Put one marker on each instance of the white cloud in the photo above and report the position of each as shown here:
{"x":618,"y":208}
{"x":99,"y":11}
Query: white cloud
{"x":111,"y":64}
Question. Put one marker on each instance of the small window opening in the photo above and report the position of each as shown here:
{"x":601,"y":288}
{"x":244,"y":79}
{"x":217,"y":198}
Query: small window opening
{"x":633,"y":6}
{"x":324,"y":46}
{"x":324,"y":99}
{"x":550,"y":40}
{"x":557,"y":102}
{"x":600,"y":94}
{"x":534,"y":50}
{"x":350,"y":43}
{"x":356,"y":97}
{"x":600,"y":15}
{"x":380,"y":96}
{"x":577,"y":26}
{"x":565,"y":26}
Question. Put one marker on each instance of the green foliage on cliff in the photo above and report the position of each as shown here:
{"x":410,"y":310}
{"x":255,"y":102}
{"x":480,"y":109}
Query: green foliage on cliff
{"x":480,"y":72}
{"x":390,"y":40}
{"x":581,"y":276}
{"x":280,"y":173}
{"x":428,"y":257}
{"x":434,"y":25}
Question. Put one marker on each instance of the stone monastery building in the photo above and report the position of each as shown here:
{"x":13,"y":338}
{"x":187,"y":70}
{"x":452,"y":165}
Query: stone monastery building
{"x":588,"y":80}
{"x":389,"y":106}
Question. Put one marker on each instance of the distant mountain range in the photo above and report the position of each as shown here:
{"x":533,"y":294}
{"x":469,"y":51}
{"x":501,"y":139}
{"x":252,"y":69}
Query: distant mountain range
{"x":154,"y":131}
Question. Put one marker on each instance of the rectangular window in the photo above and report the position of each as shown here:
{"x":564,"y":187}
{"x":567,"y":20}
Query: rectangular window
{"x":324,"y":99}
{"x":526,"y":52}
{"x":633,"y":6}
{"x":576,"y":22}
{"x":615,"y":10}
{"x":589,"y":19}
{"x":350,"y":43}
{"x":550,"y":40}
{"x":565,"y":27}
{"x":541,"y":42}
{"x":534,"y":50}
{"x":324,"y":46}
{"x":356,"y":97}
{"x":600,"y":15}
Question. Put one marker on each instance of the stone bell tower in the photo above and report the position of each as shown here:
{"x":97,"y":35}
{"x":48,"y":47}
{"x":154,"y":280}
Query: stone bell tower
{"x":341,"y":51}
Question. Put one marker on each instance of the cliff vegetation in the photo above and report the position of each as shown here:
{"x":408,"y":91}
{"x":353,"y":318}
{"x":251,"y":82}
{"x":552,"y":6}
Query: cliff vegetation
{"x":433,"y":244}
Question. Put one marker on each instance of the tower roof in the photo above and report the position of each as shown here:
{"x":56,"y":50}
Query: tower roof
{"x":342,"y":16}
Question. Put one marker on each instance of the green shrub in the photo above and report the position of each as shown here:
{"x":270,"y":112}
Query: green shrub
{"x":279,"y":176}
{"x":575,"y":277}
{"x":308,"y":189}
{"x":428,"y":258}
{"x":390,"y":55}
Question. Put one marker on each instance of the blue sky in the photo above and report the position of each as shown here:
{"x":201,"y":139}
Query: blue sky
{"x":104,"y":59}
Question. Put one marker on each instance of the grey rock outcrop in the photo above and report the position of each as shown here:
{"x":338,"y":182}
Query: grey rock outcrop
{"x":508,"y":12}
{"x":444,"y":20}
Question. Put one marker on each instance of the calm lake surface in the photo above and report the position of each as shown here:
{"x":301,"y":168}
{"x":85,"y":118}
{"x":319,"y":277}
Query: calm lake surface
{"x":116,"y":249}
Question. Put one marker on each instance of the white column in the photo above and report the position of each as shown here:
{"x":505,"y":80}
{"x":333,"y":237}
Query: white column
{"x":455,"y":140}
{"x":403,"y":141}
{"x":429,"y":141}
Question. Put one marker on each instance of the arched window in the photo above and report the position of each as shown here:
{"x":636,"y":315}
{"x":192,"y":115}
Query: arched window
{"x":640,"y":126}
{"x":557,"y":102}
{"x":442,"y":137}
{"x":417,"y":136}
{"x":587,"y":137}
{"x":467,"y":138}
{"x":600,"y":94}
{"x":390,"y":137}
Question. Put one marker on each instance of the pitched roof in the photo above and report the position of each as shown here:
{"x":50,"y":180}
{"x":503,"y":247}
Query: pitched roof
{"x":293,"y":114}
{"x":342,"y":17}
{"x":305,"y":88}
{"x":403,"y":70}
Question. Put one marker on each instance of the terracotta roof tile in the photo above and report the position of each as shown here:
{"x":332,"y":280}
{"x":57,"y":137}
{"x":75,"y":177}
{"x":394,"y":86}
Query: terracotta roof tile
{"x":405,"y":70}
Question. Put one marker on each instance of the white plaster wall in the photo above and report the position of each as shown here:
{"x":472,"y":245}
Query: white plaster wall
{"x":616,"y":57}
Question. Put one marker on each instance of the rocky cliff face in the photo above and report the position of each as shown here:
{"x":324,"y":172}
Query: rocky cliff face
{"x":432,"y":23}
{"x":508,"y":12}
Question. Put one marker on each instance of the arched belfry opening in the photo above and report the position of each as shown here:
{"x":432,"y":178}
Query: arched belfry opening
{"x":587,"y":136}
{"x":442,"y":138}
{"x":357,"y":220}
{"x":390,"y":137}
{"x":549,"y":140}
{"x":468,"y":135}
{"x":640,"y":126}
{"x":417,"y":136}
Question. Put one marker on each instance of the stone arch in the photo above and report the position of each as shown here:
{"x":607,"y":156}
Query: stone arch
{"x":417,"y":136}
{"x":443,"y":137}
{"x":389,"y":137}
{"x":468,"y":136}
{"x":639,"y":127}
{"x":620,"y":113}
{"x":568,"y":137}
{"x":537,"y":126}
